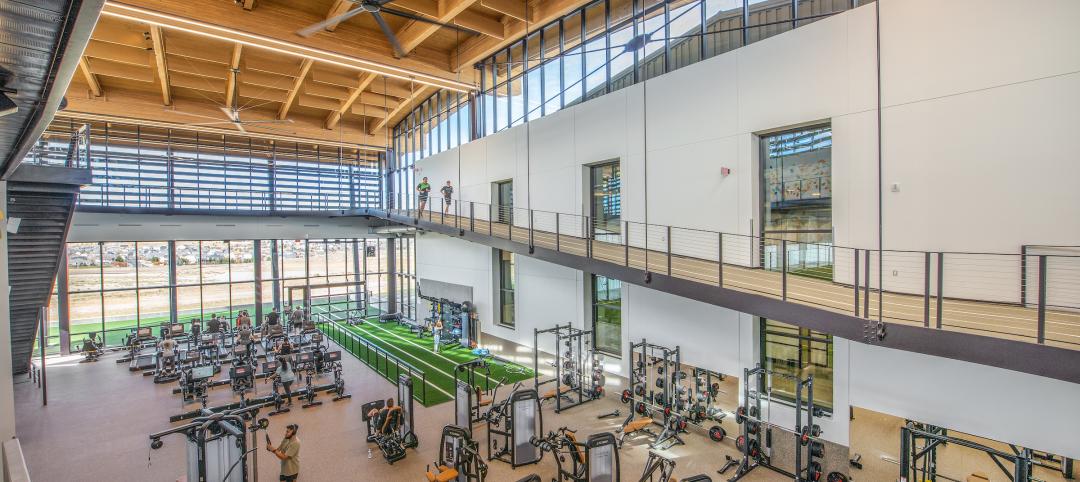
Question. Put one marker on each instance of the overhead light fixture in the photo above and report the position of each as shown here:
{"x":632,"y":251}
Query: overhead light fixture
{"x":195,"y":27}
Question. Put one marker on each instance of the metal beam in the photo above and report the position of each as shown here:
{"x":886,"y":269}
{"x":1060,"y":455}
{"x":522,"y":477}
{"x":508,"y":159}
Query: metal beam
{"x":158,"y":38}
{"x":347,"y":103}
{"x":305,"y":67}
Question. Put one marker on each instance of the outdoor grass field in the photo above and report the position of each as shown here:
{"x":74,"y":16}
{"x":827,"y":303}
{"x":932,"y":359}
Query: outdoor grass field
{"x":438,"y":368}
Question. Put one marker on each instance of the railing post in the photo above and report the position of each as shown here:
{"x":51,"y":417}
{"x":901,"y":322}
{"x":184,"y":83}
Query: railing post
{"x":720,"y":260}
{"x":866,"y":291}
{"x":926,"y":291}
{"x":491,"y":218}
{"x":557,"y":242}
{"x":1042,"y":299}
{"x":669,"y":250}
{"x":472,"y":216}
{"x":626,"y":243}
{"x":783,"y":269}
{"x":856,"y":284}
{"x":442,"y":213}
{"x":588,"y":237}
{"x":940,"y":285}
{"x":457,"y":214}
{"x":510,"y":225}
{"x":531,"y":245}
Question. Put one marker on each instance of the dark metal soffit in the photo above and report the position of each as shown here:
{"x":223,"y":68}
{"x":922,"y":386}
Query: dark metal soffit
{"x":41,"y":42}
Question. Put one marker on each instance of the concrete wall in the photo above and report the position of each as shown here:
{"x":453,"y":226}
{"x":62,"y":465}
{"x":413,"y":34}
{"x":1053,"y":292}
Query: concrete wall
{"x":972,"y":124}
{"x":7,"y":392}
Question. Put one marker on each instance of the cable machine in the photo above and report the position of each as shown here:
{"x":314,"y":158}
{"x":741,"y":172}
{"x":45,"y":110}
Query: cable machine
{"x":579,"y":369}
{"x":515,"y":422}
{"x":217,"y":445}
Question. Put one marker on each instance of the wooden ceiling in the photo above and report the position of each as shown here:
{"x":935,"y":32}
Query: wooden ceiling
{"x":184,"y":62}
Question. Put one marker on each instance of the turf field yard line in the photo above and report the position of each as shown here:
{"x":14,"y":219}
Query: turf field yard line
{"x":433,"y":353}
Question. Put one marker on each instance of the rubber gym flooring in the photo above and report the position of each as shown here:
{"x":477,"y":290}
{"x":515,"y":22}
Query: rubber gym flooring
{"x":438,"y":368}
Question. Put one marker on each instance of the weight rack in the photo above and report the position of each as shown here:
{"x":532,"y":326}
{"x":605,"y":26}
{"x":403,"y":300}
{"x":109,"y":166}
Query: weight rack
{"x":572,"y":338}
{"x":808,"y":445}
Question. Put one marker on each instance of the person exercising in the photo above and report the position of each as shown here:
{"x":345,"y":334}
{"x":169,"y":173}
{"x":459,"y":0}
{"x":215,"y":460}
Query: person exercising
{"x":286,"y":375}
{"x":423,"y":189}
{"x":447,"y":194}
{"x":436,"y":333}
{"x":296,"y":318}
{"x":167,"y":346}
{"x":243,"y":337}
{"x":386,"y":419}
{"x":214,"y":325}
{"x":288,"y":451}
{"x":273,"y":317}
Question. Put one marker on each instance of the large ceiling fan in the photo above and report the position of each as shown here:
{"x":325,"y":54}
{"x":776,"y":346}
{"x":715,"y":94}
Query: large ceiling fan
{"x":232,"y":111}
{"x":376,"y":8}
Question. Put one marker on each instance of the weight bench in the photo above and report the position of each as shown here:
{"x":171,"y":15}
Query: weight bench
{"x":549,"y":395}
{"x":442,"y":474}
{"x":633,"y":426}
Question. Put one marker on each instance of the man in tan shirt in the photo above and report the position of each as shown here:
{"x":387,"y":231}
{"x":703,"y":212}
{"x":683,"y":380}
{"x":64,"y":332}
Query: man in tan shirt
{"x":288,"y":451}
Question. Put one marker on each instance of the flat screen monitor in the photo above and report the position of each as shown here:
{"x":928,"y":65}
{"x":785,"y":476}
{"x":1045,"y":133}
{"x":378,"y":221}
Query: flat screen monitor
{"x":202,"y":372}
{"x":333,"y":356}
{"x":270,"y":367}
{"x":145,"y":333}
{"x":239,"y":371}
{"x":176,"y":329}
{"x":304,"y":357}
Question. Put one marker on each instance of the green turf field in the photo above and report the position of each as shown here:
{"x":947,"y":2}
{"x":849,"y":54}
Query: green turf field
{"x":438,"y":368}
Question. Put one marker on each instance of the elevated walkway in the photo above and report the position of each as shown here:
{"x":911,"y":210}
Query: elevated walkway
{"x":1012,"y":311}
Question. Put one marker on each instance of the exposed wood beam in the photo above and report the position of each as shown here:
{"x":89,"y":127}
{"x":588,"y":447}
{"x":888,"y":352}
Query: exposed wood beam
{"x":144,"y":108}
{"x":118,"y":53}
{"x":478,"y":48}
{"x":414,"y":33}
{"x":511,"y":8}
{"x":234,"y":68}
{"x":339,"y":7}
{"x":423,"y":7}
{"x":358,"y":49}
{"x":480,"y":23}
{"x":305,"y":67}
{"x":346,"y":104}
{"x":406,"y":105}
{"x":101,"y":67}
{"x":91,"y":79}
{"x":158,"y":38}
{"x":249,"y":4}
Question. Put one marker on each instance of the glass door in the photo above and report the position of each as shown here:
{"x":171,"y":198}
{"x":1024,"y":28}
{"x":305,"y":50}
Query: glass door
{"x":504,"y":200}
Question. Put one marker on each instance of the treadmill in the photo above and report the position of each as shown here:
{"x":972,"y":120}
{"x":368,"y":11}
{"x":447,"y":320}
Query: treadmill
{"x":144,"y":360}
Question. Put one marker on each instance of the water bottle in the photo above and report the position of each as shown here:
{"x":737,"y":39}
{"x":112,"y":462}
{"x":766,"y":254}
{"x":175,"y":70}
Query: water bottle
{"x":369,"y":453}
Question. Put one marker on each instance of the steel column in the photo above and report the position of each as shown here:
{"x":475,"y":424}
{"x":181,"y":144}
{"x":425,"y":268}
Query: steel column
{"x":63,"y":304}
{"x":258,"y":278}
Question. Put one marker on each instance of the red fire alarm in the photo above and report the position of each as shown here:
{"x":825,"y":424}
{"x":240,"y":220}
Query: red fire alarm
{"x":724,"y":171}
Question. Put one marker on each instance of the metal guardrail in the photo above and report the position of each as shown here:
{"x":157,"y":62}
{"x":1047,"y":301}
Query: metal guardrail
{"x":374,"y":356}
{"x":969,"y":292}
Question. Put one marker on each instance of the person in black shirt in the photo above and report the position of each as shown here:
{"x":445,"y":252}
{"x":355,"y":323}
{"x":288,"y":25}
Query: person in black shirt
{"x":447,"y":193}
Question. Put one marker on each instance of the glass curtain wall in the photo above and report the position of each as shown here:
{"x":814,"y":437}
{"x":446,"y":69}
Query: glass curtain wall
{"x":439,"y":123}
{"x":114,"y":286}
{"x":798,"y":352}
{"x":607,"y":315}
{"x":600,"y":48}
{"x":158,"y":168}
{"x":796,"y":183}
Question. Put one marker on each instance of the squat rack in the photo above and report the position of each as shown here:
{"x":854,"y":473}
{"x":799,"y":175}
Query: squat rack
{"x":808,"y":445}
{"x":919,"y":461}
{"x":579,"y":369}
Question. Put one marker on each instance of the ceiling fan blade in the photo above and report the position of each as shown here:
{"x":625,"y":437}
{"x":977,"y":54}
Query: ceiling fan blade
{"x":399,"y":52}
{"x":419,"y":18}
{"x":315,"y":27}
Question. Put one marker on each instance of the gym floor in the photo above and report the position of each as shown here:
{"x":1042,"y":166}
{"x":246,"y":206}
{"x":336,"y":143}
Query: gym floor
{"x":100,"y":414}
